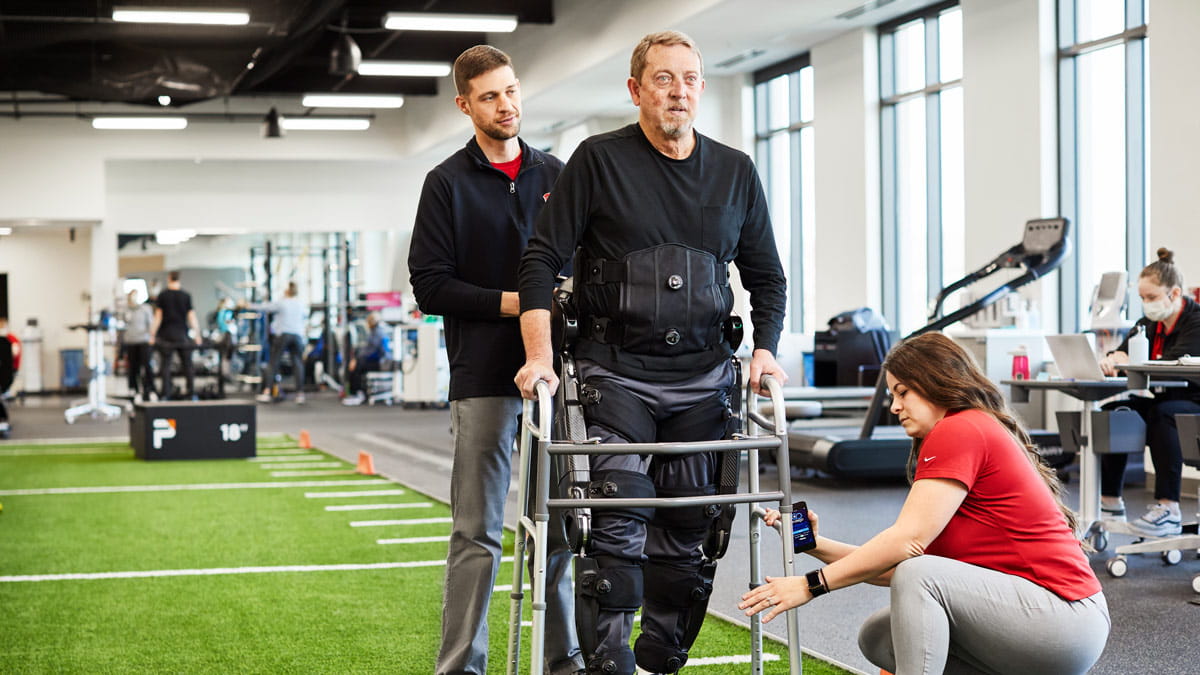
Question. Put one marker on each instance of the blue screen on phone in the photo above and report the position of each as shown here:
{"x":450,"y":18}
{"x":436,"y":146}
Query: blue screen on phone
{"x":802,"y":534}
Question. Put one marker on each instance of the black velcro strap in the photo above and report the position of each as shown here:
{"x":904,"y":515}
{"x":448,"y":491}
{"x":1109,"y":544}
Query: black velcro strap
{"x":675,"y":586}
{"x":616,"y":585}
{"x":609,"y":405}
{"x":618,"y":483}
{"x":705,"y":421}
{"x":601,"y":271}
{"x":655,"y":657}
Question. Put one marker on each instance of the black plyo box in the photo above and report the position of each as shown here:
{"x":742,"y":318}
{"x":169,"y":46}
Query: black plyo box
{"x":192,"y":430}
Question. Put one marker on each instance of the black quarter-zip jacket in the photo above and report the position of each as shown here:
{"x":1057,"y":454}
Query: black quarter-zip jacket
{"x":471,"y":228}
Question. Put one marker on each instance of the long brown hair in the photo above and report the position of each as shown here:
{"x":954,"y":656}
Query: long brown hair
{"x":944,"y":374}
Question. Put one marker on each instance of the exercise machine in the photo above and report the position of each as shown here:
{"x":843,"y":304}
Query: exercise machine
{"x":97,"y":405}
{"x":875,"y":451}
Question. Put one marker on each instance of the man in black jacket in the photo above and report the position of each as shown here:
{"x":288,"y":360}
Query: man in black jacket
{"x":657,"y":212}
{"x":473,"y":221}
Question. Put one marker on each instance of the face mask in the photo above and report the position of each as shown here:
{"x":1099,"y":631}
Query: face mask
{"x":1158,"y":310}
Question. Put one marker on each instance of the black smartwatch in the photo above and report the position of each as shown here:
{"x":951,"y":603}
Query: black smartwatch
{"x":816,"y":585}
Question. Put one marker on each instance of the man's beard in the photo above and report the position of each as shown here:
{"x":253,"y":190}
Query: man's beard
{"x":499,"y":133}
{"x":675,"y":129}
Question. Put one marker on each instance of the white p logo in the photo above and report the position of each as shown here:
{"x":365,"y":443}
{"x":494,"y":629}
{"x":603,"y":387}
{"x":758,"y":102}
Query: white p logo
{"x":164,"y":428}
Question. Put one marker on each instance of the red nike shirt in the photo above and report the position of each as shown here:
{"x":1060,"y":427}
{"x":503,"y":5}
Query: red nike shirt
{"x":1009,"y":520}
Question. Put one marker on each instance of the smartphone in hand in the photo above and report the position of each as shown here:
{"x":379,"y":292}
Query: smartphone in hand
{"x":803,"y":538}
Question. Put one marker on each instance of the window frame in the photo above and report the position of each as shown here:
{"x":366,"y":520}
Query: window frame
{"x":1134,"y":36}
{"x":889,"y":101}
{"x":763,"y":133}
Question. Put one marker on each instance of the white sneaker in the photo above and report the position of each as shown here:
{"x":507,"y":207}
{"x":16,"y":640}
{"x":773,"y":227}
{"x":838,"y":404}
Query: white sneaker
{"x":1159,"y":521}
{"x":356,"y":399}
{"x":1115,"y":512}
{"x":299,"y":399}
{"x":263,"y":398}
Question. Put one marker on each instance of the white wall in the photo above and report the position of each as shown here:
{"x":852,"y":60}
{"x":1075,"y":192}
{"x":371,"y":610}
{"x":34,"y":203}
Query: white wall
{"x":1175,"y":133}
{"x":1010,"y":129}
{"x":48,"y":279}
{"x":846,"y":140}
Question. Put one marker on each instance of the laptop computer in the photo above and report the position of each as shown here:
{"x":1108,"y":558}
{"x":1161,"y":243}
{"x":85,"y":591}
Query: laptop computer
{"x":1076,"y":358}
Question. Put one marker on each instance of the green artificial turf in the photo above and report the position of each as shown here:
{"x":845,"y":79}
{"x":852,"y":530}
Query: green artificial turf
{"x":325,"y":621}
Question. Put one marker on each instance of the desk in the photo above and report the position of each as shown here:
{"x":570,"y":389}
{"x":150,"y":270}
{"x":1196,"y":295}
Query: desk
{"x":1141,"y":374}
{"x":1087,"y":392}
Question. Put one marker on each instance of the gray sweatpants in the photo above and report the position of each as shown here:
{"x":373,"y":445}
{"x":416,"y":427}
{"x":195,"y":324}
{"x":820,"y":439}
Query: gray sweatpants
{"x":954,"y":617}
{"x":623,"y":537}
{"x":484,"y":430}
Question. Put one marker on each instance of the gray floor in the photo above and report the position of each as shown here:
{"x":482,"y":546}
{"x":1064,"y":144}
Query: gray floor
{"x":1155,"y":621}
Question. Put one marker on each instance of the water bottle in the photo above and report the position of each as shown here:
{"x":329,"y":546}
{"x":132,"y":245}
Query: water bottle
{"x":1020,"y":363}
{"x":1139,"y":346}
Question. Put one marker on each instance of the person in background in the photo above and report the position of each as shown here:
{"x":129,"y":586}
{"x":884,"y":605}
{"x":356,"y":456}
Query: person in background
{"x":986,"y":574}
{"x":173,"y":316}
{"x":1172,"y":326}
{"x":288,"y":327}
{"x":139,"y":320}
{"x":367,"y":358}
{"x":475,"y":216}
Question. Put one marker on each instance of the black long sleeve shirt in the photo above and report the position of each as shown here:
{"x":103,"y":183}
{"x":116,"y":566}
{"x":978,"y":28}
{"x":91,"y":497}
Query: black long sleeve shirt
{"x":618,"y":194}
{"x":472,"y":224}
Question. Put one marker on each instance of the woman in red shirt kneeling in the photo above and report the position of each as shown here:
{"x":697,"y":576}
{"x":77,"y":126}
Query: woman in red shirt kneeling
{"x":985,"y":571}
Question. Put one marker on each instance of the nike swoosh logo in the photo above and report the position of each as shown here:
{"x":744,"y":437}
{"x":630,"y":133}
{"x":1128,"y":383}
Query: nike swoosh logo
{"x":928,"y":458}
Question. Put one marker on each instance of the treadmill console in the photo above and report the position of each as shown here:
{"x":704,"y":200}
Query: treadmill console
{"x":1043,"y":234}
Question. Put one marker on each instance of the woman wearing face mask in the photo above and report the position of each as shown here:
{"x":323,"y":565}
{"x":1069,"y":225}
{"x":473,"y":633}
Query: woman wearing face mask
{"x":1172,"y":326}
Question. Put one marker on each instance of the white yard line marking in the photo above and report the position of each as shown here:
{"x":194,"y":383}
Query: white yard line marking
{"x":726,"y":660}
{"x":286,"y":458}
{"x":65,"y":441}
{"x":104,"y":489}
{"x":15,"y":452}
{"x":353,"y":493}
{"x":305,"y":465}
{"x":414,"y":540}
{"x":507,"y":588}
{"x":377,"y":507}
{"x":411,"y":521}
{"x":301,"y":474}
{"x":427,"y":456}
{"x":213,"y":571}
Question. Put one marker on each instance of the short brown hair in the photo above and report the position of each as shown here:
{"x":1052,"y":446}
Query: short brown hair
{"x":666,"y":38}
{"x":173,"y":275}
{"x":476,"y":61}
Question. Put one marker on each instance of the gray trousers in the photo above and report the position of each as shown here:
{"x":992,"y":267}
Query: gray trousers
{"x":954,"y":617}
{"x":484,"y":430}
{"x":624,"y":537}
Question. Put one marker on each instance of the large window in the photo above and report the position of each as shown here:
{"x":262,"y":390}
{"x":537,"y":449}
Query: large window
{"x":783,"y":114}
{"x":1102,"y":97}
{"x":922,"y":161}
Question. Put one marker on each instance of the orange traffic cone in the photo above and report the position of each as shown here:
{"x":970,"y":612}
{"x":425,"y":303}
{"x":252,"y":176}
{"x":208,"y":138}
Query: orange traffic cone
{"x":305,"y":441}
{"x":366,"y":463}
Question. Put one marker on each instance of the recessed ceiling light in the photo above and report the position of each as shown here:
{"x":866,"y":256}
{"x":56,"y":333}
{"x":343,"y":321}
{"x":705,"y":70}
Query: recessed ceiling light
{"x":325,"y":124}
{"x":164,"y":100}
{"x":208,"y":17}
{"x":139,"y":123}
{"x":404,"y":68}
{"x":5,"y":231}
{"x":351,"y":101}
{"x":467,"y":23}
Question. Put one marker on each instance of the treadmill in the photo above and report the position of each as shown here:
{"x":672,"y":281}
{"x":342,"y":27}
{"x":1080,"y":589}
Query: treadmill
{"x":871,"y":450}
